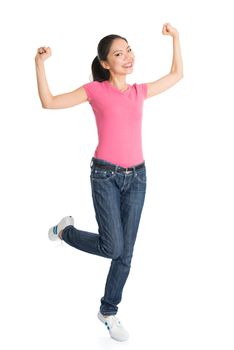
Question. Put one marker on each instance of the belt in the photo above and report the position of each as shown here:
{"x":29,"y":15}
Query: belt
{"x":117,"y":167}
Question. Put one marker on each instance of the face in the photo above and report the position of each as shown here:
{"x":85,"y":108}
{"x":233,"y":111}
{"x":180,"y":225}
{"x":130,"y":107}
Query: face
{"x":120,"y":59}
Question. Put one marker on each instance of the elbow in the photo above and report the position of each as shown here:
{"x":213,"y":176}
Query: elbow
{"x":180,"y":75}
{"x":46,"y":104}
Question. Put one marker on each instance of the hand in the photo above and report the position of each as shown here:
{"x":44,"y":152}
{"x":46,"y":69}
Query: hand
{"x":169,"y":30}
{"x":43,"y":53}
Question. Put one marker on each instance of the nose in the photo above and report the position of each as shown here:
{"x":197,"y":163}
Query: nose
{"x":129,"y":57}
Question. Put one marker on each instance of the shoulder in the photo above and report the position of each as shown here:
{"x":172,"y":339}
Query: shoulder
{"x":92,"y":84}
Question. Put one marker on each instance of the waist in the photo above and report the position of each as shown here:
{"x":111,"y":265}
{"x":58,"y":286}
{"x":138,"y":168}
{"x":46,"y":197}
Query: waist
{"x":100,"y":163}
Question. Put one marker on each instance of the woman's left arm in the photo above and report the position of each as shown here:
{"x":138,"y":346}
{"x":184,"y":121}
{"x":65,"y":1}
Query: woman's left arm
{"x":176,"y":72}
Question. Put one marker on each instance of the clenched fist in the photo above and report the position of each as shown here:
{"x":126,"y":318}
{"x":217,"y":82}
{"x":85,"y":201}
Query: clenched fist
{"x":43,"y":53}
{"x":169,"y":30}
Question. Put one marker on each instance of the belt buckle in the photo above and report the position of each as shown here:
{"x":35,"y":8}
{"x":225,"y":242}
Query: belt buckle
{"x":127,"y":171}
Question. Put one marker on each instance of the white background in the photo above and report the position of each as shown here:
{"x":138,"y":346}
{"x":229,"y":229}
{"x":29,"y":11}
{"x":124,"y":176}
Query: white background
{"x":179,"y":294}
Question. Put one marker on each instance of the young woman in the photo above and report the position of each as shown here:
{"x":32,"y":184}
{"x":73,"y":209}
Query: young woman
{"x":118,"y":170}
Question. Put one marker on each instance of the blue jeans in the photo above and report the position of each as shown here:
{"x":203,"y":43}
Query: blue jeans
{"x":118,"y":199}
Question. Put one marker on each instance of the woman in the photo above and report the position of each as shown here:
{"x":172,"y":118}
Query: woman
{"x":118,"y":170}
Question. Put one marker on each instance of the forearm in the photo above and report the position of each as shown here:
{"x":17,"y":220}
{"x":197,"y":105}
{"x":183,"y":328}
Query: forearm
{"x":177,"y":63}
{"x":42,"y":85}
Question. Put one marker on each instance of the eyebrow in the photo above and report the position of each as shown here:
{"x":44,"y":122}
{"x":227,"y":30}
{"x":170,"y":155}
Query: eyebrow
{"x":120,"y":50}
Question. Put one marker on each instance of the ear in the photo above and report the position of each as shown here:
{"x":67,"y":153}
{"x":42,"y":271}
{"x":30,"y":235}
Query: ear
{"x":104,"y":64}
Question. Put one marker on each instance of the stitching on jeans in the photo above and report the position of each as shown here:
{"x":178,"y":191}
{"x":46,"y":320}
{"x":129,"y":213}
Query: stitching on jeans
{"x":138,"y":177}
{"x":96,"y":207}
{"x":102,"y":172}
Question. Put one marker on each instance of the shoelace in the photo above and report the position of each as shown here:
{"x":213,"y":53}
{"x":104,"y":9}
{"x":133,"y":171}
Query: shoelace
{"x":112,"y":321}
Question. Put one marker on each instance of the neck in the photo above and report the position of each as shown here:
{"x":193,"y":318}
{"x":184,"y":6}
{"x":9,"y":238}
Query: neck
{"x":118,"y":81}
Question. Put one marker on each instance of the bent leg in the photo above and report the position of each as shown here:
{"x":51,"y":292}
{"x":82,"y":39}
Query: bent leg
{"x":109,"y":240}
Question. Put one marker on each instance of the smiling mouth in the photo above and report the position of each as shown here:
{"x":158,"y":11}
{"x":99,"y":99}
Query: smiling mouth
{"x":129,"y":65}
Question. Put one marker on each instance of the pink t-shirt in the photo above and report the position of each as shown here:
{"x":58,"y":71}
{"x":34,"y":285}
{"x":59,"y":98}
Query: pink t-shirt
{"x":119,"y":120}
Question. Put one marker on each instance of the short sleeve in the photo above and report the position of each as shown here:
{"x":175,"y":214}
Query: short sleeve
{"x":90,"y":90}
{"x":144,"y":88}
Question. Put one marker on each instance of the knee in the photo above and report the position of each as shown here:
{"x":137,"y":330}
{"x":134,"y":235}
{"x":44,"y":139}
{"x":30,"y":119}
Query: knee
{"x":116,"y":254}
{"x":115,"y":251}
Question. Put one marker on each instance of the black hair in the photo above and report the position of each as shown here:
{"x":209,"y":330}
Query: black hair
{"x":98,"y":72}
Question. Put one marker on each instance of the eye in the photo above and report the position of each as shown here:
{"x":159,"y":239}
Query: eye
{"x":118,"y":54}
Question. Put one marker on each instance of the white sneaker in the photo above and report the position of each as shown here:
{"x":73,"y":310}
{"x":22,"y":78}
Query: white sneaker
{"x":54,"y":230}
{"x":114,"y":327}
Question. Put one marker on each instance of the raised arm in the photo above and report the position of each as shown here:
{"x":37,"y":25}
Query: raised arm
{"x":176,"y":72}
{"x":65,"y":100}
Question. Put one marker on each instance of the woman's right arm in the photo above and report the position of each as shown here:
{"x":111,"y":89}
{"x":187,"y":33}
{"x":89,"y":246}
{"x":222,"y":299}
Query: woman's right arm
{"x":65,"y":100}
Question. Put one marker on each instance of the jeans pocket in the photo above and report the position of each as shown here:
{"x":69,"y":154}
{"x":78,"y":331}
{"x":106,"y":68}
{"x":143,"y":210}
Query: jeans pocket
{"x":141,"y":176}
{"x":98,"y":174}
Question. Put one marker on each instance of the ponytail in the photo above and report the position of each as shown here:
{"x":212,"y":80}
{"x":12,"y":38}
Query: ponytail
{"x":98,"y":72}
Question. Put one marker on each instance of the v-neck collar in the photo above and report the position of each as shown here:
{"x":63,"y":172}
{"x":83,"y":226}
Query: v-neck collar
{"x":115,"y":88}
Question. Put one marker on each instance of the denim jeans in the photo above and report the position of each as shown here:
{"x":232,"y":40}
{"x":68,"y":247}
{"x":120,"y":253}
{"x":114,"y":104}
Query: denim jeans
{"x":118,"y":199}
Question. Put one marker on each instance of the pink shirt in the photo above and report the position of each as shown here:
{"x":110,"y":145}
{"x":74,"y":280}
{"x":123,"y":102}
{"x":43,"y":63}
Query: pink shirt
{"x":119,"y":120}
